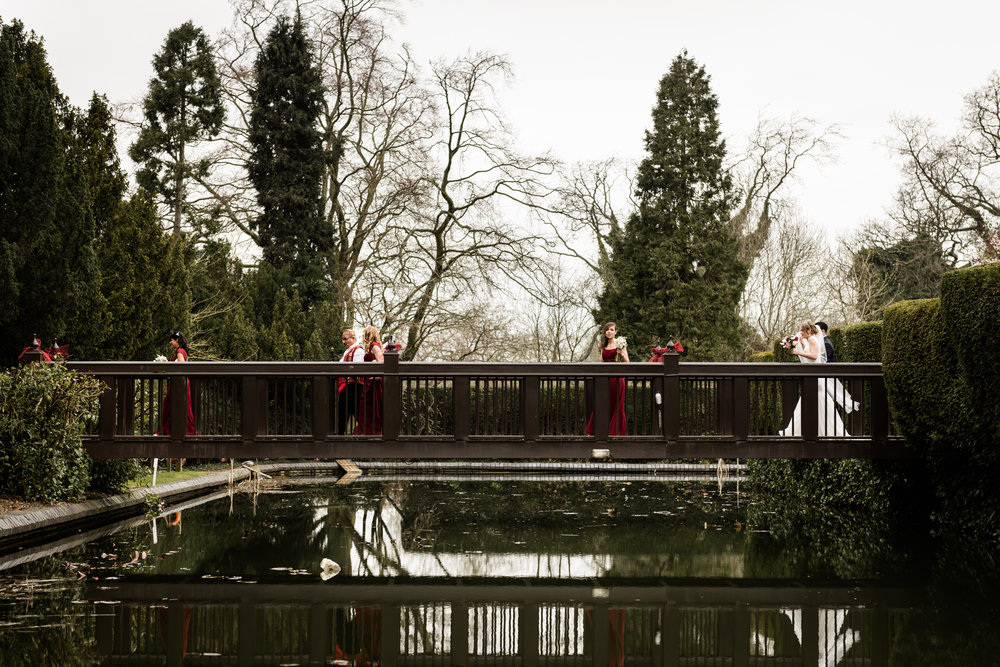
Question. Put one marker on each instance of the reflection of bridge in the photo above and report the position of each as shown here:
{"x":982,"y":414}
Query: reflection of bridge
{"x":481,"y":622}
{"x":496,"y":411}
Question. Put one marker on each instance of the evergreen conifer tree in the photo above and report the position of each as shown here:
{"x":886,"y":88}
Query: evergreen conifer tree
{"x":47,"y":262}
{"x":675,"y":272}
{"x":287,"y":161}
{"x":182,"y":107}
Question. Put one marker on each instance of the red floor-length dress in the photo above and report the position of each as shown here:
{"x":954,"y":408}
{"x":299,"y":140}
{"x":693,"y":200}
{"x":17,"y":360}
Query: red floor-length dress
{"x":370,"y":405}
{"x":616,"y":397}
{"x":165,"y":412}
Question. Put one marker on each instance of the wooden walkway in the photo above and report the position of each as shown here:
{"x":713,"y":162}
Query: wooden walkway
{"x":673,"y":410}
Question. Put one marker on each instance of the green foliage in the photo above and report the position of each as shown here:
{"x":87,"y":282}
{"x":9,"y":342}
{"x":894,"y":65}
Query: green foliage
{"x":287,"y":162}
{"x":47,"y":260}
{"x":907,"y":269}
{"x":970,"y":303}
{"x":781,"y":354}
{"x":859,"y":342}
{"x":110,"y":475}
{"x":182,"y":107}
{"x":675,"y":272}
{"x":767,"y":357}
{"x":935,"y":407}
{"x":44,"y":410}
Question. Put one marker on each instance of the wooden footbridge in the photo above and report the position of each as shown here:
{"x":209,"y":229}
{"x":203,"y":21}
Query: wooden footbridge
{"x":491,"y":411}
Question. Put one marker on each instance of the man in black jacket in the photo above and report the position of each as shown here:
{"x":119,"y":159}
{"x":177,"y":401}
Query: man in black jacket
{"x":826,"y":342}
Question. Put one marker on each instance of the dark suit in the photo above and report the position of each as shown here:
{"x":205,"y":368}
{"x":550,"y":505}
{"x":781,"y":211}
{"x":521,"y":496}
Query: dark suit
{"x":829,"y":348}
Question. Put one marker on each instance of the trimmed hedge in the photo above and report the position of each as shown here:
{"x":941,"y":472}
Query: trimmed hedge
{"x":765,"y":357}
{"x":970,"y":303}
{"x":858,"y":343}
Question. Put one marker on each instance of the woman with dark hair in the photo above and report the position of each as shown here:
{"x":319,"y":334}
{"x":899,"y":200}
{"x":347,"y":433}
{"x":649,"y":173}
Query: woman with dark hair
{"x":180,"y":345}
{"x":370,"y":405}
{"x":613,"y":349}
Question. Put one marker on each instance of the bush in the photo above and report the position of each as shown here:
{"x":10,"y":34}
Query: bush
{"x":859,"y":342}
{"x":781,"y":354}
{"x":765,"y":357}
{"x":970,"y":304}
{"x":44,"y":410}
{"x":114,"y":474}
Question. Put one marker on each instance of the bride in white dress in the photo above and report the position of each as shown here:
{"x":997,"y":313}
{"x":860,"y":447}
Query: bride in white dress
{"x":810,"y":350}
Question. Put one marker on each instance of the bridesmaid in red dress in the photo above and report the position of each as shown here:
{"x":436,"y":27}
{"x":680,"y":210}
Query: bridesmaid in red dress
{"x":370,"y":405}
{"x":179,"y":343}
{"x":610,"y":352}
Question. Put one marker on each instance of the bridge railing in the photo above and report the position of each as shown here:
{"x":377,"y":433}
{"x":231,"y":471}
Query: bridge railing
{"x":497,"y":410}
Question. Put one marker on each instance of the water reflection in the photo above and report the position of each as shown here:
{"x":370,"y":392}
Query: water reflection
{"x":454,"y":573}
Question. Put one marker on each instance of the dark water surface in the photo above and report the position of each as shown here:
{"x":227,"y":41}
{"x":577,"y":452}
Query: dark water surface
{"x":642,"y":572}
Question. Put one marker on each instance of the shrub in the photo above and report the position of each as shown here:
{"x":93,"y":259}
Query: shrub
{"x":781,"y":354}
{"x":859,"y":342}
{"x":762,"y":357}
{"x":44,"y":410}
{"x":970,"y":304}
{"x":114,"y":474}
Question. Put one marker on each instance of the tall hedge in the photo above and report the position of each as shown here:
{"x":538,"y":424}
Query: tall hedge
{"x":858,"y":343}
{"x":970,"y":303}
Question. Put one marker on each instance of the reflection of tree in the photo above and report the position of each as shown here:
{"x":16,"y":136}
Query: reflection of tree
{"x":791,"y":539}
{"x":42,"y":622}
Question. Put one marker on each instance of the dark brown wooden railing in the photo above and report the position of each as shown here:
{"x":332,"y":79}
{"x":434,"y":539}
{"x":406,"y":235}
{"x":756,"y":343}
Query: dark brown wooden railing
{"x":496,"y":411}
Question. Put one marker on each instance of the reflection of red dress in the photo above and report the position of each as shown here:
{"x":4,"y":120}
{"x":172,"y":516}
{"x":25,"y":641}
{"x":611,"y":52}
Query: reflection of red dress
{"x":616,"y":397}
{"x":165,"y":412}
{"x":370,"y":406}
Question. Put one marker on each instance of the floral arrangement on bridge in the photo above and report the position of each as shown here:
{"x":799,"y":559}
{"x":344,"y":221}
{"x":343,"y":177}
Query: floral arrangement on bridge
{"x":790,"y":341}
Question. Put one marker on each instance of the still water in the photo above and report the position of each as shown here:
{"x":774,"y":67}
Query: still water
{"x":501,"y":572}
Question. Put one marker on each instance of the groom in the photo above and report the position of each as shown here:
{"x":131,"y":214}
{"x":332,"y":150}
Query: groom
{"x":826,"y":342}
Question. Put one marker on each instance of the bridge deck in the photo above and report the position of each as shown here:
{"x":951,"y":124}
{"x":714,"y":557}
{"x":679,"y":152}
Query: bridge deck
{"x":493,"y":411}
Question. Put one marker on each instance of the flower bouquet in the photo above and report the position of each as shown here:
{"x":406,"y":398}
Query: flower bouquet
{"x":789,"y":341}
{"x":621,"y":343}
{"x":159,"y":358}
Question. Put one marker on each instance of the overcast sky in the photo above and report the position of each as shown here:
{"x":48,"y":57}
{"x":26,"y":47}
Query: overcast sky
{"x":587,"y":70}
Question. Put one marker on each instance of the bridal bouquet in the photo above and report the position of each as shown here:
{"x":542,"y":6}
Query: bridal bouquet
{"x":790,"y":341}
{"x":160,"y":357}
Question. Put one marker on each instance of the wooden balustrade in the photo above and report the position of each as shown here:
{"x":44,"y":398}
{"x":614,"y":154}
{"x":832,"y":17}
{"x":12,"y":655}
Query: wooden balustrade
{"x":497,"y":411}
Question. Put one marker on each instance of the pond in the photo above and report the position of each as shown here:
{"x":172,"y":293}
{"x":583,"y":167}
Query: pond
{"x":634,"y":571}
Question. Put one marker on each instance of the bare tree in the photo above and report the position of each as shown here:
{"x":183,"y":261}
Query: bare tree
{"x":951,"y":186}
{"x":559,"y":322}
{"x":774,"y":153}
{"x":788,"y":283}
{"x":592,"y":201}
{"x":464,"y":244}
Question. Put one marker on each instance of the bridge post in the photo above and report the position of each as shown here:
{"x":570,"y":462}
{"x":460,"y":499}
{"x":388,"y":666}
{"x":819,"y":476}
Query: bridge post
{"x":880,"y":411}
{"x":249,"y":412}
{"x":530,"y":417}
{"x":320,"y":407}
{"x":809,"y":407}
{"x":460,"y":398}
{"x":671,"y":407}
{"x":107,"y":419}
{"x":178,"y":407}
{"x":392,"y":396}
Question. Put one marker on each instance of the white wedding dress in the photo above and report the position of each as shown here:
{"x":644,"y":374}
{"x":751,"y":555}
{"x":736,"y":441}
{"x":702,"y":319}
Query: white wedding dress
{"x":829,"y":392}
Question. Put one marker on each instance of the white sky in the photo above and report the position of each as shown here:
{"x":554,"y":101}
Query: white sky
{"x":587,"y":70}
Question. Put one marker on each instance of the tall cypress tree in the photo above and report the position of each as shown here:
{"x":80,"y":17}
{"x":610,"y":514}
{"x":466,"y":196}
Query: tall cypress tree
{"x":47,"y":262}
{"x":675,"y":272}
{"x":286,"y":162}
{"x":183,"y":106}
